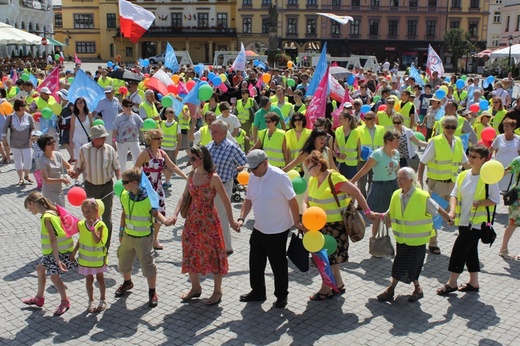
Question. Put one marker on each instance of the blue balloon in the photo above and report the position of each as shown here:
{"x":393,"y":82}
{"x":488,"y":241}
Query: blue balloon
{"x":216,"y":81}
{"x":146,"y":62}
{"x":110,"y":64}
{"x":211,"y":75}
{"x":484,"y":105}
{"x":447,"y":79}
{"x":351,"y":79}
{"x":490,"y":79}
{"x":197,"y":69}
{"x":202,"y":83}
{"x":116,"y":67}
{"x":440,"y":94}
{"x":460,"y":84}
{"x":365,"y":152}
{"x":159,"y":96}
{"x":256,"y":62}
{"x":365,"y":109}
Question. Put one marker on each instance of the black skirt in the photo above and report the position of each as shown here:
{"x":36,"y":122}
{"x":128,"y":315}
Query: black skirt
{"x":408,"y":262}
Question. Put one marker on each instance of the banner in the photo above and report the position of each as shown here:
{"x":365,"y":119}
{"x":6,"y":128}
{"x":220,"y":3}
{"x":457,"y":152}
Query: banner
{"x":86,"y":87}
{"x":318,"y":103}
{"x":170,"y":59}
{"x":52,"y":81}
{"x":434,"y":63}
{"x":240,"y":61}
{"x":319,"y":72}
{"x":415,"y":74}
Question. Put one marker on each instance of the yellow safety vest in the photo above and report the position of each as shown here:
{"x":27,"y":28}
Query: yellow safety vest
{"x":243,"y":110}
{"x":169,"y":135}
{"x":414,"y":227}
{"x":302,"y":109}
{"x":295,"y":145}
{"x":205,"y":135}
{"x":150,"y":109}
{"x":460,"y":96}
{"x":273,"y":146}
{"x":65,"y":244}
{"x":41,"y":103}
{"x":205,"y":109}
{"x":105,"y":83}
{"x":478,"y":130}
{"x":349,"y":148}
{"x":404,"y":110}
{"x":480,"y":214}
{"x":367,"y":141}
{"x":92,"y":254}
{"x":499,"y":116}
{"x":321,"y":196}
{"x":138,"y":217}
{"x":12,"y":92}
{"x":117,"y":83}
{"x":241,"y":138}
{"x":286,"y":109}
{"x":445,"y":164}
{"x":184,"y":123}
{"x":383,"y":119}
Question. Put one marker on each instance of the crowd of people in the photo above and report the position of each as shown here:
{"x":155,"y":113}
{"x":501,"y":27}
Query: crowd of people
{"x":364,"y":147}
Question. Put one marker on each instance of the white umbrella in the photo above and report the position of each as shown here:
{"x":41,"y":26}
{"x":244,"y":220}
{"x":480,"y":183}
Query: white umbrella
{"x":11,"y":35}
{"x":504,"y":52}
{"x":339,"y":72}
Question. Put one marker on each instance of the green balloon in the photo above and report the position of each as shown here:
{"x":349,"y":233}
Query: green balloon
{"x":205,"y":92}
{"x":70,"y":80}
{"x":420,"y":136}
{"x":299,"y":185}
{"x":149,"y":124}
{"x":24,"y":77}
{"x":291,"y":82}
{"x":377,"y":98}
{"x":463,"y":77}
{"x":331,"y":245}
{"x":99,"y":122}
{"x":46,"y":113}
{"x":167,"y":101}
{"x":56,"y":57}
{"x":118,"y":188}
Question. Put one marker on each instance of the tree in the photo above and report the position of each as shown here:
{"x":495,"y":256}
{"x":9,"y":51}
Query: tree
{"x":458,"y":44}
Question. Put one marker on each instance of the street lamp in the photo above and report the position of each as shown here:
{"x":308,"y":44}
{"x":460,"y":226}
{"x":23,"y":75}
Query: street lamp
{"x":510,"y":41}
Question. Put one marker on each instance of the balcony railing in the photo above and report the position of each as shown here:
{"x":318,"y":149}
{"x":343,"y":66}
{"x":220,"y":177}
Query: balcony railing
{"x":189,"y":31}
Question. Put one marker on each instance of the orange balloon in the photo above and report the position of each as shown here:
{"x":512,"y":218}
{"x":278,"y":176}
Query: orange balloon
{"x":314,"y":218}
{"x":175,"y":78}
{"x":289,"y":64}
{"x":6,"y":108}
{"x":243,"y":177}
{"x":266,"y":77}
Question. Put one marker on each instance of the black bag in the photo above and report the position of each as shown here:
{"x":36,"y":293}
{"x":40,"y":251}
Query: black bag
{"x":488,"y":232}
{"x":297,"y":253}
{"x":511,"y":196}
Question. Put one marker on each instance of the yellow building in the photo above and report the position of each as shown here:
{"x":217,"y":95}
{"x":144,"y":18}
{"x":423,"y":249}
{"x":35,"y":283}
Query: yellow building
{"x":199,"y":27}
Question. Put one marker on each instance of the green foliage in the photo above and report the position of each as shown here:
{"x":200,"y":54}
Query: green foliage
{"x":458,"y":44}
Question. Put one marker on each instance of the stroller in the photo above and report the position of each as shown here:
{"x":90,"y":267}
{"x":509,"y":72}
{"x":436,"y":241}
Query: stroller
{"x":236,"y":195}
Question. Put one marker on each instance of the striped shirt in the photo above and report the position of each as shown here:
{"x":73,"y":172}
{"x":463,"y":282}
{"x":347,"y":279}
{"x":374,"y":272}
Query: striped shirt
{"x":98,"y":165}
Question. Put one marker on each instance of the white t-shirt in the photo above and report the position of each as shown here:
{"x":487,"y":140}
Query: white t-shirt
{"x":270,"y":196}
{"x":467,"y":194}
{"x":231,"y":121}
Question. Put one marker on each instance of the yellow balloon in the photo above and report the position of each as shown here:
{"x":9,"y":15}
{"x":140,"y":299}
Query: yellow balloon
{"x":445,"y":88}
{"x":56,"y":108}
{"x":491,"y":172}
{"x":289,"y":64}
{"x":223,"y":77}
{"x":175,"y":78}
{"x":313,"y":241}
{"x":101,"y":207}
{"x":293,"y":174}
{"x":314,"y":218}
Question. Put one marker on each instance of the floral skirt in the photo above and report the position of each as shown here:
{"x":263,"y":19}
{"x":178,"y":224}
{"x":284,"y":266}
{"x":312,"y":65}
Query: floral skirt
{"x":339,"y":232}
{"x":514,"y":215}
{"x":49,"y":262}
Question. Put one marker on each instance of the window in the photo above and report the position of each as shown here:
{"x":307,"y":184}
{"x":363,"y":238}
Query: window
{"x":392,"y":27}
{"x":355,"y":3}
{"x":374,"y":27}
{"x":394,"y":3}
{"x":292,"y":2}
{"x":176,"y":19}
{"x":495,"y":40}
{"x":203,"y":20}
{"x":111,"y":21}
{"x":336,"y":2}
{"x":86,"y":47}
{"x":431,"y":27}
{"x":58,"y":20}
{"x":266,"y":2}
{"x":507,"y":23}
{"x":454,"y":24}
{"x":292,"y":26}
{"x":474,"y":4}
{"x":496,"y":17}
{"x":247,"y":25}
{"x":222,"y":20}
{"x":412,"y":28}
{"x":456,"y":4}
{"x":311,"y":27}
{"x":312,"y":3}
{"x":265,"y":25}
{"x":413,"y":4}
{"x":354,"y":27}
{"x":374,"y":3}
{"x":247,"y":2}
{"x":473,"y":28}
{"x":83,"y":21}
{"x":517,"y":22}
{"x":335,"y":28}
{"x":432,"y":4}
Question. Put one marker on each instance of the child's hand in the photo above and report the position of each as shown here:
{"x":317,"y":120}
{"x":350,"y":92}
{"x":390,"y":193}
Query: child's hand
{"x":62,"y":266}
{"x":73,"y":256}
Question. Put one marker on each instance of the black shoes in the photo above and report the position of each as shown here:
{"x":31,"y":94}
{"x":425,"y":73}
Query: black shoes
{"x":250,"y":297}
{"x":280,"y":303}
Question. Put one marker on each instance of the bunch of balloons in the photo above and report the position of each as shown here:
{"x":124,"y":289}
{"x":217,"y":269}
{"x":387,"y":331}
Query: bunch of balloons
{"x":314,"y":218}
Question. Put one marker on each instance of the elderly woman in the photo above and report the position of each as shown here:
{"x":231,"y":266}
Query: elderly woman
{"x":320,"y":194}
{"x":52,"y":167}
{"x":506,"y":147}
{"x":127,"y":126}
{"x":297,"y":136}
{"x":410,"y":212}
{"x":21,"y":125}
{"x":384,"y":162}
{"x":406,"y":150}
{"x":468,"y":204}
{"x":272,"y":141}
{"x":153,"y":160}
{"x":346,"y":145}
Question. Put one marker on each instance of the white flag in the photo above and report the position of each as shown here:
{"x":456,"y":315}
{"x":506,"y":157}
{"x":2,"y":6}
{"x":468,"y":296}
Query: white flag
{"x":340,"y":19}
{"x":240,"y":62}
{"x":434,"y":62}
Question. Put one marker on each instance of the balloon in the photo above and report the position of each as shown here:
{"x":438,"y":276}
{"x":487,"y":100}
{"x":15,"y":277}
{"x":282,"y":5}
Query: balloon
{"x":290,"y":64}
{"x":490,"y":79}
{"x":243,"y":177}
{"x":314,"y":218}
{"x":331,"y":245}
{"x":100,"y":207}
{"x":256,"y":62}
{"x":116,"y":68}
{"x":36,"y":116}
{"x":440,"y":94}
{"x":146,"y":75}
{"x":123,"y":90}
{"x":211,"y":75}
{"x":460,"y":84}
{"x":197,"y":69}
{"x":204,"y":79}
{"x":223,"y":77}
{"x":491,"y":172}
{"x":444,"y":88}
{"x":216,"y":81}
{"x":190,"y":84}
{"x":118,"y":188}
{"x":167,"y":101}
{"x":487,"y":144}
{"x":474,"y":108}
{"x":351,"y":79}
{"x":46,"y":113}
{"x":299,"y":185}
{"x":420,"y":136}
{"x":172,"y":88}
{"x":98,"y":122}
{"x":381,"y":108}
{"x":6,"y":108}
{"x":293,"y":174}
{"x":205,"y":92}
{"x":291,"y":82}
{"x":149,"y":124}
{"x":365,"y":109}
{"x":70,"y":80}
{"x":202,"y":82}
{"x":266,"y":77}
{"x":146,"y":62}
{"x":313,"y":241}
{"x":463,"y":77}
{"x":159,"y":96}
{"x":484,"y":105}
{"x":488,"y":134}
{"x":175,"y":78}
{"x":110,"y":64}
{"x":377,"y":98}
{"x":56,"y":108}
{"x":365,"y":152}
{"x":25,"y":77}
{"x":76,"y":196}
{"x":56,"y":57}
{"x":4,"y":78}
{"x":447,"y":79}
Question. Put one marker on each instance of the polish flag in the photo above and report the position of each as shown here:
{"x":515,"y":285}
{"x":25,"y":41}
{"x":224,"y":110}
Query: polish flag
{"x":159,"y":82}
{"x":134,"y":20}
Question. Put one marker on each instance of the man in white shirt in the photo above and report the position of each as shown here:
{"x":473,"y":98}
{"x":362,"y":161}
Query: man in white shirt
{"x":231,"y":120}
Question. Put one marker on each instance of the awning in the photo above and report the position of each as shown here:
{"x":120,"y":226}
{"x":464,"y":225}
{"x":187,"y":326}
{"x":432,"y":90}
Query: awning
{"x":54,"y":42}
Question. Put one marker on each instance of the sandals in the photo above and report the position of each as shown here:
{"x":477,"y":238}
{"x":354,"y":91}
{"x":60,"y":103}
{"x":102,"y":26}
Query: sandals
{"x":191,"y":294}
{"x":20,"y":182}
{"x":123,"y":288}
{"x":102,"y":305}
{"x":213,"y":301}
{"x":434,"y":250}
{"x":64,"y":306}
{"x":385,"y":296}
{"x":341,"y":290}
{"x":38,"y":301}
{"x":446,"y":289}
{"x":504,"y":253}
{"x":321,"y":296}
{"x":468,"y":288}
{"x":416,"y":295}
{"x":29,"y":180}
{"x":91,"y":307}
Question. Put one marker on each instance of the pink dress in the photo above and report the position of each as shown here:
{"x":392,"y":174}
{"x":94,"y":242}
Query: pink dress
{"x":203,"y":248}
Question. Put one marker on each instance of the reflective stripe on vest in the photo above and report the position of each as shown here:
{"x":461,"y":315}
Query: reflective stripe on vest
{"x":243,"y":109}
{"x":92,"y":254}
{"x":349,"y":148}
{"x":169,"y":135}
{"x":140,"y":218}
{"x":64,"y":244}
{"x":480,"y":194}
{"x":273,"y":146}
{"x":446,"y":163}
{"x":321,"y":196}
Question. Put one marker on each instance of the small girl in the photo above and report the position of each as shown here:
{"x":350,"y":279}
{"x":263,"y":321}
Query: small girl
{"x":92,"y":259}
{"x":37,"y":154}
{"x":56,"y":248}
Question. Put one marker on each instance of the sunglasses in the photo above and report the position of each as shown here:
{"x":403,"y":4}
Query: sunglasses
{"x":127,"y":106}
{"x":450,"y":127}
{"x":268,"y":121}
{"x":311,"y":167}
{"x":125,"y":182}
{"x":158,"y":139}
{"x":51,"y":143}
{"x":297,"y":119}
{"x":397,"y":123}
{"x":193,"y":158}
{"x":369,"y":119}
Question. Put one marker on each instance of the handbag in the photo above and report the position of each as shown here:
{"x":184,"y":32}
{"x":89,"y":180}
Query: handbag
{"x":354,"y":222}
{"x":297,"y":252}
{"x":381,"y":245}
{"x":511,"y":196}
{"x":488,"y":232}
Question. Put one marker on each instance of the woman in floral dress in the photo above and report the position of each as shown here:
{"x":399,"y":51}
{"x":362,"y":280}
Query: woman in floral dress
{"x":152,"y":160}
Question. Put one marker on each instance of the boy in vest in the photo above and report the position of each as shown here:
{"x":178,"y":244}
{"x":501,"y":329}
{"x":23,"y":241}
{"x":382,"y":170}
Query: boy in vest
{"x":171,"y":139}
{"x":135,"y":234}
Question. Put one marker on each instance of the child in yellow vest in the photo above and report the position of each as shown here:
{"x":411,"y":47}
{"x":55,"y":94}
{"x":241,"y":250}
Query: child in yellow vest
{"x":92,"y":259}
{"x":56,"y":248}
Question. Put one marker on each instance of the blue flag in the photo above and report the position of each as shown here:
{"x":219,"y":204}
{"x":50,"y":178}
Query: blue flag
{"x":465,"y":140}
{"x":193,"y":96}
{"x":437,"y":219}
{"x":170,"y":59}
{"x":177,"y":106}
{"x":470,"y":90}
{"x":415,"y":74}
{"x":86,"y":87}
{"x":261,"y":65}
{"x":440,"y":113}
{"x":33,"y":79}
{"x":319,"y":71}
{"x":152,"y":195}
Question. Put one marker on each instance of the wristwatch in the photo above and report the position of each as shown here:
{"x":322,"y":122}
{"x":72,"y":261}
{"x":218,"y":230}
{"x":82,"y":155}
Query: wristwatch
{"x":240,"y":219}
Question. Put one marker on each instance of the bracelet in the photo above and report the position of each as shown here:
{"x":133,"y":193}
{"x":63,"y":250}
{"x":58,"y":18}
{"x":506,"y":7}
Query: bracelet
{"x":121,"y":228}
{"x":368,"y":211}
{"x":240,"y":219}
{"x":113,"y":139}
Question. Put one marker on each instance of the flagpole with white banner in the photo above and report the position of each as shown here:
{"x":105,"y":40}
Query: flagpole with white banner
{"x":434,"y":63}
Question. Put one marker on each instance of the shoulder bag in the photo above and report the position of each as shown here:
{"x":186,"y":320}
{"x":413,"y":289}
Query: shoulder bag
{"x":354,"y":222}
{"x":83,"y":127}
{"x":297,"y":252}
{"x":511,"y":196}
{"x":381,"y":244}
{"x":488,"y":232}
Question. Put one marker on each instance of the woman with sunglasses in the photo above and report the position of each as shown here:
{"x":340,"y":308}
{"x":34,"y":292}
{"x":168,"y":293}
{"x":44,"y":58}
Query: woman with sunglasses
{"x":80,"y":124}
{"x":52,"y":167}
{"x":498,"y":111}
{"x":506,"y":147}
{"x":272,"y":141}
{"x":153,"y":161}
{"x":297,"y":136}
{"x":125,"y":136}
{"x":409,"y":157}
